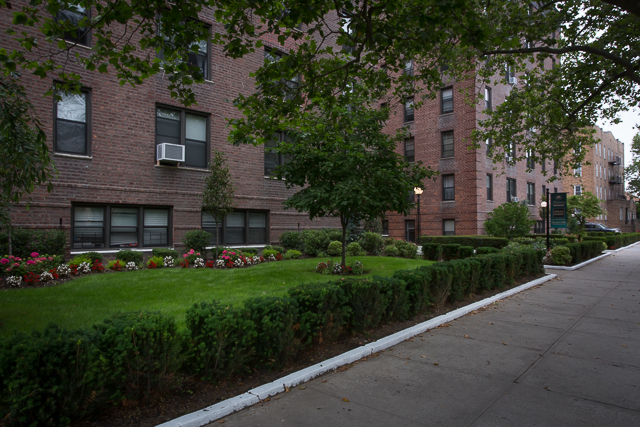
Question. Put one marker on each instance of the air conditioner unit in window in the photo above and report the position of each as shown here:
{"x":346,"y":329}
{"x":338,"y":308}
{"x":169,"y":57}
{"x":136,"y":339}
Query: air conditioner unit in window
{"x":515,"y":199}
{"x":513,"y":80}
{"x":172,"y":153}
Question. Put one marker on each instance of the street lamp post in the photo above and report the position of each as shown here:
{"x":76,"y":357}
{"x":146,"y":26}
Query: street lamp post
{"x":418,"y":192}
{"x":546,"y":205}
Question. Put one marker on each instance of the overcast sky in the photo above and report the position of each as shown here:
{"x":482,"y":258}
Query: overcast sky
{"x":625,"y":130}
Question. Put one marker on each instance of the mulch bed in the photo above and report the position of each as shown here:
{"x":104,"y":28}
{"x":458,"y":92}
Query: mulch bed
{"x":189,"y":394}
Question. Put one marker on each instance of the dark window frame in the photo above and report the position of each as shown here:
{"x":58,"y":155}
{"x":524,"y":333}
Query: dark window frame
{"x":489,"y":143}
{"x":409,"y":112}
{"x":446,"y":233}
{"x":106,"y":227}
{"x":290,"y":84}
{"x":446,"y":105}
{"x":410,"y":230}
{"x":448,"y":193}
{"x":531,"y":193}
{"x":207,"y":72}
{"x":447,"y":152}
{"x":183,"y":132}
{"x":282,"y":159}
{"x":88,"y":114}
{"x":87,"y":33}
{"x":489,"y":184}
{"x":385,"y":227}
{"x":410,"y":154}
{"x":409,"y":68}
{"x":246,"y":228}
{"x":512,"y":184}
{"x":531,"y":163}
{"x":488,"y":100}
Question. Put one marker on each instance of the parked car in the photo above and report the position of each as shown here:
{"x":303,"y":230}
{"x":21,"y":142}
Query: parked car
{"x":594,"y":226}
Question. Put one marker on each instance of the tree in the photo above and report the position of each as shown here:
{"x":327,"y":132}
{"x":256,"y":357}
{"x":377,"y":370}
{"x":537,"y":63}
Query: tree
{"x":217,"y":196}
{"x":632,"y":172}
{"x":583,"y":207}
{"x":345,"y":166}
{"x":24,"y":155}
{"x":509,"y":220}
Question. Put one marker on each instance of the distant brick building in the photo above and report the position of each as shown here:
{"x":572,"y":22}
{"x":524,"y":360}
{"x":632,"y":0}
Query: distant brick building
{"x":602,"y":175}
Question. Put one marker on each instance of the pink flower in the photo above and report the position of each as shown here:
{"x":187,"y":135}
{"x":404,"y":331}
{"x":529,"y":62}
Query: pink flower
{"x":233,"y":253}
{"x":31,"y":262}
{"x":4,"y":260}
{"x":18,"y":259}
{"x":34,"y":254}
{"x":50,"y":258}
{"x":224,"y":252}
{"x":198,"y":253}
{"x":184,"y":256}
{"x":191,"y":252}
{"x":9,"y":269}
{"x":11,"y":257}
{"x":17,"y":264}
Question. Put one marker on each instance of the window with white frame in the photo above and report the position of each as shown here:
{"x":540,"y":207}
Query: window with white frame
{"x":72,"y":133}
{"x":577,"y":190}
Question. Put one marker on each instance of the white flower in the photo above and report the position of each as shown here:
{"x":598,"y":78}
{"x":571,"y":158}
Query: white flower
{"x":168,"y":261}
{"x":256,"y":259}
{"x":63,"y":270}
{"x":272,"y":257}
{"x":198,"y":263}
{"x":14,"y":281}
{"x":238,"y":263}
{"x":84,"y":268}
{"x":337,"y":269}
{"x":131,"y":266}
{"x":45,"y":276}
{"x":248,"y":260}
{"x":219,"y":263}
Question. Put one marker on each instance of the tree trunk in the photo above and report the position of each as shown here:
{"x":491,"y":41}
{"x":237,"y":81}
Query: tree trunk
{"x":344,"y":222}
{"x":217,"y":239}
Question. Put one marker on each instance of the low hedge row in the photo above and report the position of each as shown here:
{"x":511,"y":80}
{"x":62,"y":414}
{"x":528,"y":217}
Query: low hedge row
{"x":475,"y":241}
{"x":451,"y":251}
{"x":615,"y":241}
{"x":59,"y":375}
{"x":582,"y":251}
{"x":572,"y":239}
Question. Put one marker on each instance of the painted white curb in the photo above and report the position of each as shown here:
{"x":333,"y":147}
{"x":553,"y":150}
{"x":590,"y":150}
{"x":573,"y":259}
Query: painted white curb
{"x":577,"y":266}
{"x":622,"y":248}
{"x":229,"y":406}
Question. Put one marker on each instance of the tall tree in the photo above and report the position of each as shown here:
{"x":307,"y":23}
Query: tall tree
{"x":344,"y":166}
{"x":217,"y":196}
{"x":632,"y":172}
{"x":583,"y":207}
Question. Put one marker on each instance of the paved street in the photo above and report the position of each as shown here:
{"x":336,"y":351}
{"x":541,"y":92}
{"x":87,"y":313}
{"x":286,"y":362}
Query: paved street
{"x":566,"y":353}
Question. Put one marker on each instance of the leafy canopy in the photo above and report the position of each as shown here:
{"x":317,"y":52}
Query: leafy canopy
{"x":583,"y":207}
{"x":632,"y":172}
{"x":509,"y":220}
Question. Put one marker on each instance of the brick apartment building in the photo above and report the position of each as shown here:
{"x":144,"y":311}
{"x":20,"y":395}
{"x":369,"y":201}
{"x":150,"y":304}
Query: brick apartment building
{"x":111,"y":192}
{"x":469,"y":185}
{"x":602,"y":175}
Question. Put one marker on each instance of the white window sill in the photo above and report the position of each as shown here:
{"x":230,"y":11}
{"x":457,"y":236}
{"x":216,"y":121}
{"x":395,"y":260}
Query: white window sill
{"x":72,"y":44}
{"x":238,"y":246}
{"x":446,"y":114}
{"x":73,"y":156}
{"x":184,"y":168}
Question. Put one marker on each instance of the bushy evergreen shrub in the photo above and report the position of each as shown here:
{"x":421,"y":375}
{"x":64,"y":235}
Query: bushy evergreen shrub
{"x":373,"y":243}
{"x":390,"y":250}
{"x":25,"y":241}
{"x":198,"y":240}
{"x":164,"y":252}
{"x":482,"y":250}
{"x":560,"y":255}
{"x":450,"y":251}
{"x":432,"y":251}
{"x":334,"y":249}
{"x":465,"y":252}
{"x":292,"y":254}
{"x":475,"y":241}
{"x":354,"y":249}
{"x":367,"y":301}
{"x":129,"y":256}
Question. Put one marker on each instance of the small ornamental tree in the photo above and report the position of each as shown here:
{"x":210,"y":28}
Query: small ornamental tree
{"x":343,"y":165}
{"x":632,"y":172}
{"x":509,"y":220}
{"x":217,"y":197}
{"x":585,"y":206}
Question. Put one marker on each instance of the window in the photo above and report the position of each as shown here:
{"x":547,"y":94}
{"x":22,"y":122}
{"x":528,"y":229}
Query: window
{"x":184,"y":128}
{"x":621,"y":214}
{"x":446,"y":100}
{"x":408,"y":68}
{"x":410,"y":230}
{"x":409,"y":150}
{"x":408,"y":110}
{"x":487,"y":99}
{"x":544,"y":165}
{"x":447,"y":144}
{"x":531,"y":193}
{"x":489,"y":186}
{"x":510,"y":74}
{"x":577,"y":190}
{"x":290,"y":86}
{"x":116,"y":226}
{"x":385,"y":227}
{"x":448,"y":187}
{"x":72,"y":133}
{"x":538,"y":227}
{"x":198,"y":56}
{"x":73,"y":18}
{"x":555,"y":189}
{"x":238,"y":228}
{"x":449,"y":227}
{"x":555,"y":167}
{"x":411,"y":197}
{"x":489,"y":147}
{"x":272,"y":159}
{"x":531,"y":163}
{"x":578,"y":171}
{"x":511,"y":190}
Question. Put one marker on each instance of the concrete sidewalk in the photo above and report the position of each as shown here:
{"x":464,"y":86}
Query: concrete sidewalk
{"x":563,"y":354}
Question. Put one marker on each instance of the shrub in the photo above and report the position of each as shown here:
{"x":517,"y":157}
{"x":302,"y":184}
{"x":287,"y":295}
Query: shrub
{"x":139,"y":351}
{"x":390,"y":250}
{"x":254,"y":251}
{"x":292,"y":254}
{"x":222,"y":339}
{"x":460,"y":279}
{"x":155,"y":262}
{"x":373,"y":243}
{"x":275,"y":319}
{"x":335,"y":234}
{"x":561,"y":255}
{"x":367,"y":301}
{"x":129,"y":256}
{"x":354,"y":249}
{"x":418,"y":288}
{"x":334,"y":249}
{"x":292,"y":240}
{"x":268,"y":252}
{"x":450,"y":251}
{"x":116,"y":265}
{"x":396,"y":296}
{"x":475,"y":241}
{"x":163,"y":253}
{"x":406,"y":249}
{"x":432,"y":251}
{"x":198,"y":240}
{"x":315,"y":241}
{"x":465,"y":252}
{"x":441,"y":278}
{"x":25,"y":241}
{"x":323,"y":311}
{"x":509,"y":220}
{"x":79,"y":259}
{"x":482,"y":250}
{"x":92,"y":256}
{"x":275,"y":248}
{"x":50,"y":378}
{"x":389,"y":241}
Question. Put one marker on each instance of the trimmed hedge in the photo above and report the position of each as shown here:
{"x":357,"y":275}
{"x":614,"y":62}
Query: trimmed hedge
{"x":164,"y":252}
{"x":25,"y":241}
{"x":615,"y":241}
{"x":58,"y":376}
{"x":450,"y":251}
{"x":128,"y":255}
{"x":582,"y":251}
{"x":432,"y":251}
{"x":475,"y":241}
{"x":572,"y":239}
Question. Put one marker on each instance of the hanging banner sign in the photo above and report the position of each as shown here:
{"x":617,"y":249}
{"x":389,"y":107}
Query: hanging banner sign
{"x":559,"y":210}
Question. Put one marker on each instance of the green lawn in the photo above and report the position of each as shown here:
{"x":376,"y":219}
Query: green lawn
{"x":90,"y":299}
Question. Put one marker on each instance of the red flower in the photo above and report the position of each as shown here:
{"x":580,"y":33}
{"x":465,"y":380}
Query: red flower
{"x":184,"y":263}
{"x":97,"y":266}
{"x":210,"y":264}
{"x":278,"y":256}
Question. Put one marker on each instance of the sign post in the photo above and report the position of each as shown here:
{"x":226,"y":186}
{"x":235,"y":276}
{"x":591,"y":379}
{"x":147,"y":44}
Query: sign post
{"x":558,"y":208}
